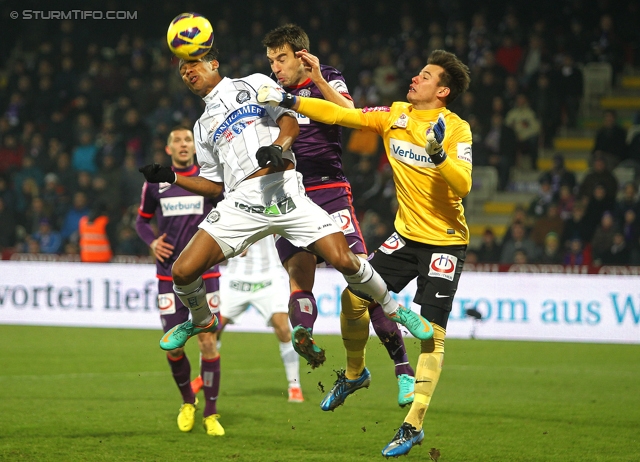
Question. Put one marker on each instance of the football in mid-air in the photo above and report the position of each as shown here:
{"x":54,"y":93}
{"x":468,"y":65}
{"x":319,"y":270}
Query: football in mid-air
{"x":190,"y":36}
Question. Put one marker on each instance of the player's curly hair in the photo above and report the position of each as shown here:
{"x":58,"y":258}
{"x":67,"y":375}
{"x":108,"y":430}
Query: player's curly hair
{"x":289,"y":34}
{"x":210,"y":56}
{"x":456,"y":73}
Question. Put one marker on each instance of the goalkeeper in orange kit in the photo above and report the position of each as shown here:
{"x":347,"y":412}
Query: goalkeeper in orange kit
{"x":429,"y":149}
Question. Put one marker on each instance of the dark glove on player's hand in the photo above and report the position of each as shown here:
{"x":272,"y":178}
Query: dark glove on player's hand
{"x":156,"y":173}
{"x":270,"y":154}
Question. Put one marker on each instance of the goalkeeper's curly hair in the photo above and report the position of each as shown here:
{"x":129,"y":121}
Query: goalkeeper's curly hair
{"x":456,"y":73}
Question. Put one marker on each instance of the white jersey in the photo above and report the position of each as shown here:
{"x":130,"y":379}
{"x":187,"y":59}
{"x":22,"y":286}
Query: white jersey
{"x":233,"y":127}
{"x":261,"y":259}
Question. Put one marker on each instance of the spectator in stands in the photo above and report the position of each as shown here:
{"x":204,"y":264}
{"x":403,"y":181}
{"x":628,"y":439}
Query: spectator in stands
{"x":549,"y":223}
{"x":509,"y":54}
{"x":575,"y":227}
{"x":618,"y":252}
{"x":630,"y":228}
{"x":606,"y":45}
{"x":518,"y":241}
{"x":545,"y":103}
{"x":603,"y":237}
{"x":534,"y":56}
{"x":551,"y":253}
{"x":489,"y":251}
{"x":7,"y":226}
{"x":611,"y":140}
{"x":576,"y":254}
{"x":94,"y":232}
{"x":559,"y":176}
{"x":520,"y":257}
{"x":84,"y":154}
{"x":539,"y":204}
{"x":597,"y":205}
{"x":499,"y":147}
{"x":519,"y":216}
{"x":628,"y":201}
{"x":599,"y":175}
{"x":79,"y":209}
{"x":570,"y":87}
{"x":47,"y":238}
{"x":527,"y":127}
{"x":386,"y":78}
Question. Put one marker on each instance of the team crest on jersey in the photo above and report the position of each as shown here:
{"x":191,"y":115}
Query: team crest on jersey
{"x":243,"y":96}
{"x":443,"y":266}
{"x":344,"y":221}
{"x":393,"y":243}
{"x":305,"y":92}
{"x":167,"y":303}
{"x":213,"y":216}
{"x":213,"y":300}
{"x":402,"y":121}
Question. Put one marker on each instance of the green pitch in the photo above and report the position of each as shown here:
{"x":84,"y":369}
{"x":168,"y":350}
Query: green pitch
{"x":72,"y":394}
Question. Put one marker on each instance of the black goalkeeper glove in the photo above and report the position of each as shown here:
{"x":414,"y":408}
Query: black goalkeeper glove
{"x":156,"y":173}
{"x":270,"y":154}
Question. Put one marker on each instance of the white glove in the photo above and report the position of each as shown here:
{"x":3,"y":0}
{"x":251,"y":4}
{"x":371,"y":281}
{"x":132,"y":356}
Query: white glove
{"x":268,"y":94}
{"x":435,"y":136}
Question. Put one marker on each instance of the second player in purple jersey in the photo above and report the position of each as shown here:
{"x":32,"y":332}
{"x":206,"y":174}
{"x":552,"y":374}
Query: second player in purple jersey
{"x":178,"y":213}
{"x":318,"y":151}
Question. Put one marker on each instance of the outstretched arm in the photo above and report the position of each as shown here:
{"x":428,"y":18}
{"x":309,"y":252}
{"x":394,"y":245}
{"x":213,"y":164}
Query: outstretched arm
{"x":156,"y":173}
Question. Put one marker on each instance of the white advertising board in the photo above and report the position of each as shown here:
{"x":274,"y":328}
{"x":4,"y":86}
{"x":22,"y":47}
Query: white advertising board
{"x":558,"y":307}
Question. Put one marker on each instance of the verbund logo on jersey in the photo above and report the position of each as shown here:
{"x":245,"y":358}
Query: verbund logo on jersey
{"x":184,"y":205}
{"x":410,"y":153}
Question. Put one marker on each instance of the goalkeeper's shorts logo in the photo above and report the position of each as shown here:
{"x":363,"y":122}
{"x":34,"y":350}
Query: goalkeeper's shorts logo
{"x":443,"y":266}
{"x":393,"y":243}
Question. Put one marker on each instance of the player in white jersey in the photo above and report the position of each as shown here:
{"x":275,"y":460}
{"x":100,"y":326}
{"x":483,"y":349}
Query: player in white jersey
{"x":244,"y":148}
{"x":257,"y":279}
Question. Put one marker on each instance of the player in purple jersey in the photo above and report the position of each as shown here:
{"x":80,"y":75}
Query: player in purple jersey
{"x":318,"y":150}
{"x":178,"y":213}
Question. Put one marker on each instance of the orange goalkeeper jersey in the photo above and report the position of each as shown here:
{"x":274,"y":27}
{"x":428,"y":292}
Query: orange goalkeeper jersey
{"x":429,"y":198}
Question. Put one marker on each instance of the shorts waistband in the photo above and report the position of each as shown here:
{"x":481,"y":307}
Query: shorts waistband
{"x":244,"y":286}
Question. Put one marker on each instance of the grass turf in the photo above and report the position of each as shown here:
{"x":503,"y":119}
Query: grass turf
{"x":72,"y":394}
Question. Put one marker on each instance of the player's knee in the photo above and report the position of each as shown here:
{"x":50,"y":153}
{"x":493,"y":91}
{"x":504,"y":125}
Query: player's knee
{"x":347,"y":263}
{"x":181,"y":274}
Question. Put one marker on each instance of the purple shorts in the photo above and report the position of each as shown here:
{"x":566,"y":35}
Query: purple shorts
{"x":173,"y":312}
{"x":336,"y":201}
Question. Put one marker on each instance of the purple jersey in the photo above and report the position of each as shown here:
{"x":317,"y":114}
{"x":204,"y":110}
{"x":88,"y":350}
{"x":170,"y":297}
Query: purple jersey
{"x":318,"y":148}
{"x":179,"y":212}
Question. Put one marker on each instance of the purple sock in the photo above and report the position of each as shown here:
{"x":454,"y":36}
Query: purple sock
{"x":181,"y":370}
{"x":391,"y":338}
{"x":210,"y":373}
{"x":302,"y":309}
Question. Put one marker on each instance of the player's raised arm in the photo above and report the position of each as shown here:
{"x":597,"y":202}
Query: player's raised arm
{"x":312,"y":67}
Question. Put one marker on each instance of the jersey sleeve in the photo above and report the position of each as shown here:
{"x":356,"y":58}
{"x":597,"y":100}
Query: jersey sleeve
{"x":336,"y":81}
{"x":373,"y":119}
{"x":456,"y":169}
{"x":210,"y":166}
{"x":148,"y":206}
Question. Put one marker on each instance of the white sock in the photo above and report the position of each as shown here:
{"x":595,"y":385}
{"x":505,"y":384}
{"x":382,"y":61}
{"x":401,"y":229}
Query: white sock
{"x":194,"y":297}
{"x":291,"y":362}
{"x":368,"y":281}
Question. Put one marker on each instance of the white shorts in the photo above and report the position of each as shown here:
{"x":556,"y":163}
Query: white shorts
{"x":268,"y":293}
{"x":269,"y":204}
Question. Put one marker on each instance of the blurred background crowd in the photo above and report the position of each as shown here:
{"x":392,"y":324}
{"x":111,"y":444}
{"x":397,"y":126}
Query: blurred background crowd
{"x":84,"y":103}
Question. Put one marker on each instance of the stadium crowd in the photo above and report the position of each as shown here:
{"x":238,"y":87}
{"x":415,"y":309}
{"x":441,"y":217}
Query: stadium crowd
{"x":84,"y":104}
